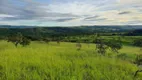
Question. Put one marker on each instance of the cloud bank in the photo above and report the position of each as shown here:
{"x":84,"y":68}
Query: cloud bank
{"x":70,"y":13}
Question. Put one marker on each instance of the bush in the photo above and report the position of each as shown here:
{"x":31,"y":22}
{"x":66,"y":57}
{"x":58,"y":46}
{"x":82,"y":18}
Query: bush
{"x":137,"y":42}
{"x":25,"y":41}
{"x":128,"y":57}
{"x":47,"y":40}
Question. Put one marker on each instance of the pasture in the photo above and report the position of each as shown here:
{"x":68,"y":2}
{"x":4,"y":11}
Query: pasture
{"x":52,"y":61}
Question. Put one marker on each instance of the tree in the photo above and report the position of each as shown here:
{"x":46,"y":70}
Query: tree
{"x":102,"y":45}
{"x":18,"y":39}
{"x":114,"y":45}
{"x":15,"y":39}
{"x":138,"y":43}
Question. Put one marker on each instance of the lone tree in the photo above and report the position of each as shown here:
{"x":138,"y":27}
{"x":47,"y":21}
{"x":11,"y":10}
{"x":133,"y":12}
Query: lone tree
{"x":15,"y":39}
{"x":114,"y":45}
{"x":18,"y":39}
{"x":102,"y":45}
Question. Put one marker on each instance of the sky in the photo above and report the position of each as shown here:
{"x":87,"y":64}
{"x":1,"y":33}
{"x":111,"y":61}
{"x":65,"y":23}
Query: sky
{"x":70,"y":12}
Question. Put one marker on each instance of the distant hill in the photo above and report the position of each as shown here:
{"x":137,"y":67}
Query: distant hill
{"x":91,"y":27}
{"x":34,"y":31}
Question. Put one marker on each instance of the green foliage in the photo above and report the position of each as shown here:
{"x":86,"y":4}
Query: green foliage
{"x":18,"y":39}
{"x":114,"y":45}
{"x":102,"y":45}
{"x":127,"y":57}
{"x":15,"y":39}
{"x":78,"y":45}
{"x":47,"y":40}
{"x":139,"y":63}
{"x":25,"y":41}
{"x":137,"y":42}
{"x":139,"y":59}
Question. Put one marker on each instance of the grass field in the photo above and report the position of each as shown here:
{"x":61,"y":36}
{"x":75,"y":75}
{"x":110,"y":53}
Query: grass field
{"x":42,"y":61}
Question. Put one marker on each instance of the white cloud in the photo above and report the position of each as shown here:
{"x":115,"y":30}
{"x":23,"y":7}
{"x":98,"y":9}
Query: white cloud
{"x":75,"y":12}
{"x":5,"y":15}
{"x":76,"y":8}
{"x":129,"y":1}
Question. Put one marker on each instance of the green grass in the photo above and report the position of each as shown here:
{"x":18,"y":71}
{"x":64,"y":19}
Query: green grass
{"x":41,"y":61}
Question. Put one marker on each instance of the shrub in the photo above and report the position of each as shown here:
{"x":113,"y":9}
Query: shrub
{"x":137,"y":42}
{"x":47,"y":40}
{"x":25,"y":41}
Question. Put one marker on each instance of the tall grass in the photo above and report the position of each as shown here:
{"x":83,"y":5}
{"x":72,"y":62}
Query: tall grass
{"x":41,"y":61}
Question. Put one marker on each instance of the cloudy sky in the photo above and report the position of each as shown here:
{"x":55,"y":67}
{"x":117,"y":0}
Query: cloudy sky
{"x":70,"y":12}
